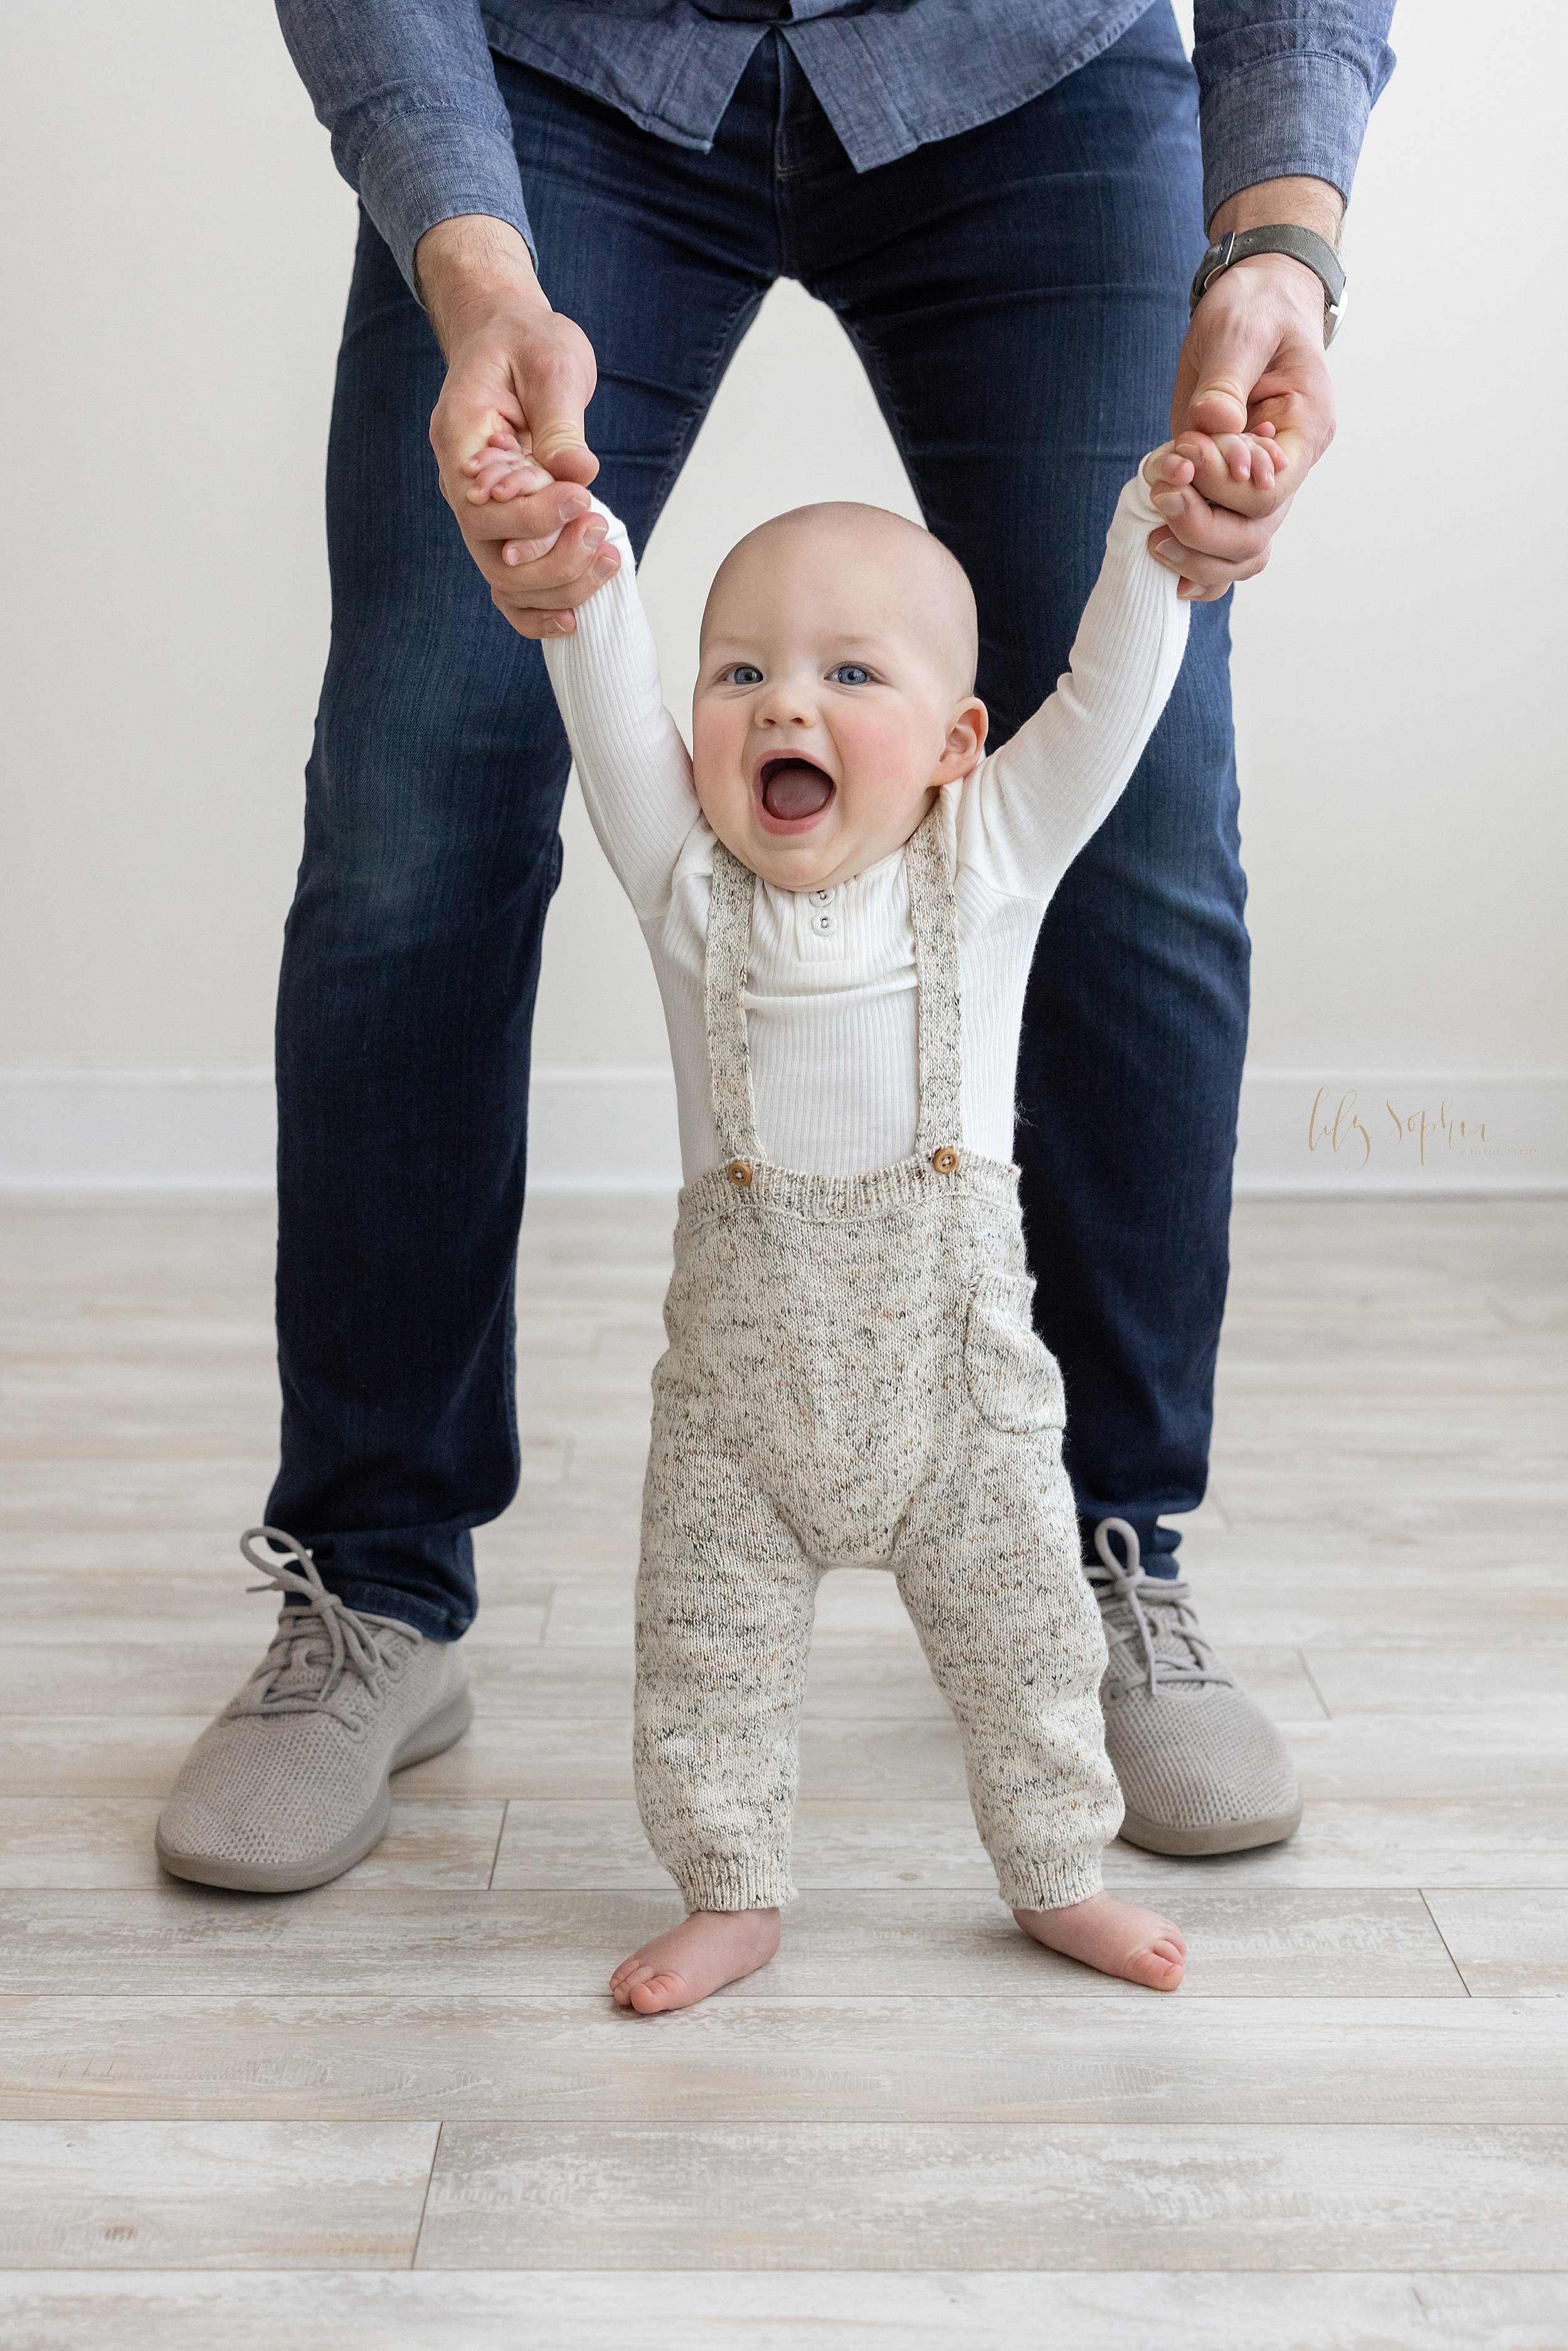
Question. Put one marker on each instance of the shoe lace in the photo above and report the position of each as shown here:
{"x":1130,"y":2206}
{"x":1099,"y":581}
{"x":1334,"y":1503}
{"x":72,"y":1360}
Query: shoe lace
{"x":1126,"y":1604}
{"x":320,"y":1643}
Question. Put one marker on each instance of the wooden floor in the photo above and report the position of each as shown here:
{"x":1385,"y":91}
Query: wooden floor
{"x":405,"y":2099}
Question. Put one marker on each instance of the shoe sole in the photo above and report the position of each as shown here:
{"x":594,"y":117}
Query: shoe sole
{"x":438,"y":1730}
{"x":1230,"y":1836}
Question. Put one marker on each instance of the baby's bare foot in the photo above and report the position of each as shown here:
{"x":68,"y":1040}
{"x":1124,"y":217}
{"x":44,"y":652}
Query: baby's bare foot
{"x":1120,"y":1938}
{"x":705,"y":1952}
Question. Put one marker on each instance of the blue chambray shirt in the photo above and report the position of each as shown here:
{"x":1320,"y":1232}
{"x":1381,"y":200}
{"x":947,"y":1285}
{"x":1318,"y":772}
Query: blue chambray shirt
{"x":419,"y":130}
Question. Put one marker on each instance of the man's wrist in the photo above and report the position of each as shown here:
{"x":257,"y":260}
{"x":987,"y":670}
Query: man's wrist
{"x":1306,"y":203}
{"x":473,"y":269}
{"x":1296,"y":224}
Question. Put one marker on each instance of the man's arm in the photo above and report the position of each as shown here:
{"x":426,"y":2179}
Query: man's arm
{"x":514,"y":365}
{"x":1285,"y":95}
{"x":420,"y":132}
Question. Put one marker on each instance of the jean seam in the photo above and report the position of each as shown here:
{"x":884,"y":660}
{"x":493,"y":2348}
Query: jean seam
{"x":714,"y":365}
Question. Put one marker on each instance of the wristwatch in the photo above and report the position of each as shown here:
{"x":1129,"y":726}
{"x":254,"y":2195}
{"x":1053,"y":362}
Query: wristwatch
{"x":1303,"y":244}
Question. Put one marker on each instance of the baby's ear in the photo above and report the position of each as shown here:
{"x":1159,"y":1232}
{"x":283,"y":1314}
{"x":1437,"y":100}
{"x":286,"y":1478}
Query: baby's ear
{"x":966,"y":728}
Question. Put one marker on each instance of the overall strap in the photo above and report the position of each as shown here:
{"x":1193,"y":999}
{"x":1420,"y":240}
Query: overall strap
{"x":934,"y":917}
{"x":730,"y":900}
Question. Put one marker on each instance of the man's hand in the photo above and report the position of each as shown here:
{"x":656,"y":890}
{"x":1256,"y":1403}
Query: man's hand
{"x":513,"y":366}
{"x":1253,"y":359}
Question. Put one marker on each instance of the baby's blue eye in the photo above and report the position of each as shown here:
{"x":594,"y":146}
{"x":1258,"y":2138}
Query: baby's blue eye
{"x":746,"y":674}
{"x":849,"y":673}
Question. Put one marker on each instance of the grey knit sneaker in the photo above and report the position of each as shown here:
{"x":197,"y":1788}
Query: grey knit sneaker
{"x":1202,"y":1768}
{"x":290,"y":1786}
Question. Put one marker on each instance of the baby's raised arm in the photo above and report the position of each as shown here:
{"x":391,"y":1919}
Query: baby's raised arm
{"x":633,"y":766}
{"x":1031,"y":806}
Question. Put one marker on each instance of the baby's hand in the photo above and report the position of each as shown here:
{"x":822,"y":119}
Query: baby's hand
{"x":1243,"y":472}
{"x":1200,"y":482}
{"x":502,"y":470}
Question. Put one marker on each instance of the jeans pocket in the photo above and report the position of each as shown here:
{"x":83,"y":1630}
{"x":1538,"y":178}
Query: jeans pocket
{"x":1012,"y":1378}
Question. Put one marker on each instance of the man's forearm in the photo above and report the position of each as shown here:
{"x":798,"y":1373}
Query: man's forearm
{"x":472,"y":269}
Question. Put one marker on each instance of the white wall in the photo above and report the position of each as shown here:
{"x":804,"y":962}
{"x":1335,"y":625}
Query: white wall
{"x":176,"y":255}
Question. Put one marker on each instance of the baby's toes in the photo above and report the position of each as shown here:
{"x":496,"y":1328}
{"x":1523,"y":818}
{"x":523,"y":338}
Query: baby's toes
{"x":658,"y":1991}
{"x":1161,"y":1967}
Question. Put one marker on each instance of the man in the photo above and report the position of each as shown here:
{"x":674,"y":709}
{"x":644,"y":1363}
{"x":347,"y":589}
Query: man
{"x":1003,"y":201}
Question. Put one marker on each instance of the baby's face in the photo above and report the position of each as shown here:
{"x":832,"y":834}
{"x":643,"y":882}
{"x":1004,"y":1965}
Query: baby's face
{"x":833,"y":696}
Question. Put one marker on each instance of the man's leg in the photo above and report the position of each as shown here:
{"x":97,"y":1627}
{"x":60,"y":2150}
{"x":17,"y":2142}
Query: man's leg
{"x":1022,"y":334}
{"x":1019,"y":295}
{"x":408,"y":985}
{"x":412,"y":948}
{"x":409,"y":969}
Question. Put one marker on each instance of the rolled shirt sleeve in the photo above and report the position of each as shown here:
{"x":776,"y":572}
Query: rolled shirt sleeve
{"x":1285,"y":88}
{"x":419,"y":129}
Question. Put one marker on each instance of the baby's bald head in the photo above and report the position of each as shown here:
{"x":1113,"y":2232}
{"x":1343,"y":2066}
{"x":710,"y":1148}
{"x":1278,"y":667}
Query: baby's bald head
{"x":854,"y":572}
{"x":835,"y":694}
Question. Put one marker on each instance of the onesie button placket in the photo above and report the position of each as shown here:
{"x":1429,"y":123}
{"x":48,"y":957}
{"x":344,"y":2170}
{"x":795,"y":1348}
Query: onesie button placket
{"x":818,"y":925}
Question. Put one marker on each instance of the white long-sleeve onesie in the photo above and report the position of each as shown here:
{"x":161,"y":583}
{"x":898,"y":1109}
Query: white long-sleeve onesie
{"x":831,"y":997}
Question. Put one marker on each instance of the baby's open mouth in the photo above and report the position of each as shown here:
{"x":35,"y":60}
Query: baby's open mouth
{"x":794,"y":789}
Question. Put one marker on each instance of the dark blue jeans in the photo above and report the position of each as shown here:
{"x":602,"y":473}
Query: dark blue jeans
{"x":1018,"y":297}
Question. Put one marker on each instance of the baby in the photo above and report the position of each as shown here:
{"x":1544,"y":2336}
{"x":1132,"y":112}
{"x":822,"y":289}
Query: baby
{"x":841,"y":892}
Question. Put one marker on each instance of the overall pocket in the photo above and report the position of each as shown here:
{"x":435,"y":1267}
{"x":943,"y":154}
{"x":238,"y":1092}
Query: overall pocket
{"x":1012,"y":1378}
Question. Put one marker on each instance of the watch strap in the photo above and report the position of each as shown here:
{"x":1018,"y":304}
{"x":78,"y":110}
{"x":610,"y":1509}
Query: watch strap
{"x":1302,"y":244}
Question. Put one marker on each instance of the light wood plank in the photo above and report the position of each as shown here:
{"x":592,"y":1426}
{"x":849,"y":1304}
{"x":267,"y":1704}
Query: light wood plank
{"x":111,"y":1679}
{"x":1407,"y":1842}
{"x":1448,"y":1755}
{"x":1302,"y":1591}
{"x":599,"y":1613}
{"x":215,"y":1491}
{"x":1378,"y":1756}
{"x":87,"y":1755}
{"x":505,"y":1755}
{"x":1433,"y":1681}
{"x":922,"y":2195}
{"x":215,"y":1494}
{"x":855,"y":1677}
{"x":202,"y":1609}
{"x":1112,"y":2057}
{"x":1506,"y":1944}
{"x":106,"y":1842}
{"x":149,"y":1676}
{"x":897,"y":1759}
{"x":1400,"y":1840}
{"x":161,"y":2195}
{"x":369,"y":1935}
{"x":780,"y":2311}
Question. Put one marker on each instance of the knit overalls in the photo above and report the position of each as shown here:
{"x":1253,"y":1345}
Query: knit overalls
{"x":852,"y":1380}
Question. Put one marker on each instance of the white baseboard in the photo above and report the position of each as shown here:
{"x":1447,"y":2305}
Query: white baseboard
{"x":612,"y":1128}
{"x":592,"y":1128}
{"x":130,"y":1130}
